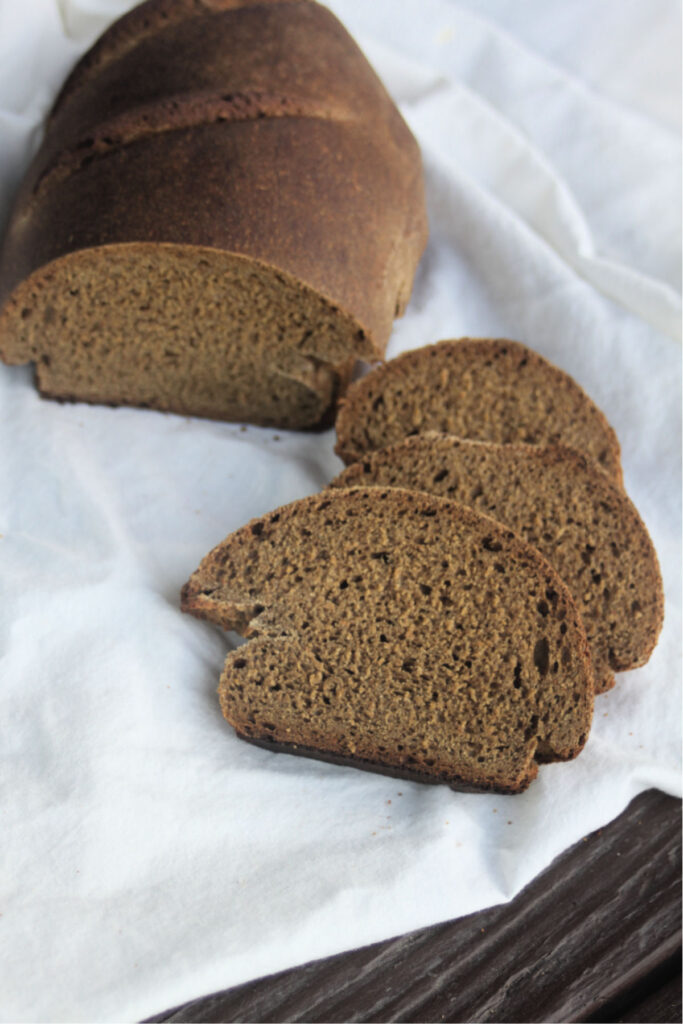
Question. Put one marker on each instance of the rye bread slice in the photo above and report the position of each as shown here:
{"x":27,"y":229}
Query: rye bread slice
{"x":561,"y":502}
{"x":400,"y":632}
{"x":478,"y":388}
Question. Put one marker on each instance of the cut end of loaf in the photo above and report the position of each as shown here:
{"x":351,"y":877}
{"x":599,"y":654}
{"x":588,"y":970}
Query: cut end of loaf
{"x":397,"y":629}
{"x":184,"y":329}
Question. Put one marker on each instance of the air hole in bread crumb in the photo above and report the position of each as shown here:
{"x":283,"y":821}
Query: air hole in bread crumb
{"x":542,"y":656}
{"x":532,"y":728}
{"x":517,"y":680}
{"x":489,"y":544}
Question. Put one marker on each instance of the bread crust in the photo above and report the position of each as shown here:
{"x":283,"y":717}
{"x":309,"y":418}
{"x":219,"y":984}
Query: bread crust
{"x":143,"y":22}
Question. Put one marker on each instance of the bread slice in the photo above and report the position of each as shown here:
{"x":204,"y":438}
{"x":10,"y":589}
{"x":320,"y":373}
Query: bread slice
{"x":561,"y":502}
{"x":226,"y":211}
{"x":397,"y":631}
{"x":478,"y":388}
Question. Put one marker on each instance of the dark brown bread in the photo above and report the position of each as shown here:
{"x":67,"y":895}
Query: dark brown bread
{"x":402,"y":632}
{"x":478,"y":388}
{"x":561,"y":502}
{"x":226,"y":211}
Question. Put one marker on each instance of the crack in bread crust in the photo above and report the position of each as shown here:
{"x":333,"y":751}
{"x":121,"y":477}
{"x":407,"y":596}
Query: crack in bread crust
{"x":173,"y":114}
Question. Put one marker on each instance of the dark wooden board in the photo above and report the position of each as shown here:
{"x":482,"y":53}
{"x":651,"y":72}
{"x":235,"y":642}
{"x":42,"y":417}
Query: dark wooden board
{"x":595,"y":937}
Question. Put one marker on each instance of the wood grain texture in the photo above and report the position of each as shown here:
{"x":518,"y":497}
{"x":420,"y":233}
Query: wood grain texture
{"x":596,"y":937}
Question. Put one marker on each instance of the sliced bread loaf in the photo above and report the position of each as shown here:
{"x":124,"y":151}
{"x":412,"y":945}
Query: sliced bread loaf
{"x":400,"y":632}
{"x":561,"y":502}
{"x":478,"y":388}
{"x":226,"y":211}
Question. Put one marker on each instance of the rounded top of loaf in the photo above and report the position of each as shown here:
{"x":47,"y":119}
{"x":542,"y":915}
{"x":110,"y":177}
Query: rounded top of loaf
{"x":292,"y":51}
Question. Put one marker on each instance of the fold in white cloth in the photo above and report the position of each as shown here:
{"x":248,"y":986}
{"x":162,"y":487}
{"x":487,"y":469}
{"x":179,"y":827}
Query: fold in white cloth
{"x":148,"y":856}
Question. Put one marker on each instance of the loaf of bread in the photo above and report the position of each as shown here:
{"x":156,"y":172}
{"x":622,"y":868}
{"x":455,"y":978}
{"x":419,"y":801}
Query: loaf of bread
{"x":401,"y":632}
{"x":477,"y":388}
{"x":226,"y":211}
{"x":558,"y":500}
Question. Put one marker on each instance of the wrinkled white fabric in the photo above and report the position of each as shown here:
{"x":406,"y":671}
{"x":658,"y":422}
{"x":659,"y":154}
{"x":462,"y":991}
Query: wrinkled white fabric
{"x":147,"y":856}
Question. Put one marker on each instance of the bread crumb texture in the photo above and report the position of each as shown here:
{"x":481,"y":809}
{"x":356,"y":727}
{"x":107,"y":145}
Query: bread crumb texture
{"x":476,"y":388}
{"x":559,"y":501}
{"x":401,"y":632}
{"x":164,"y":326}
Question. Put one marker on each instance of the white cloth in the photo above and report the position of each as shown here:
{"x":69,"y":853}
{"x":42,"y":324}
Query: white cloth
{"x":149,"y":857}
